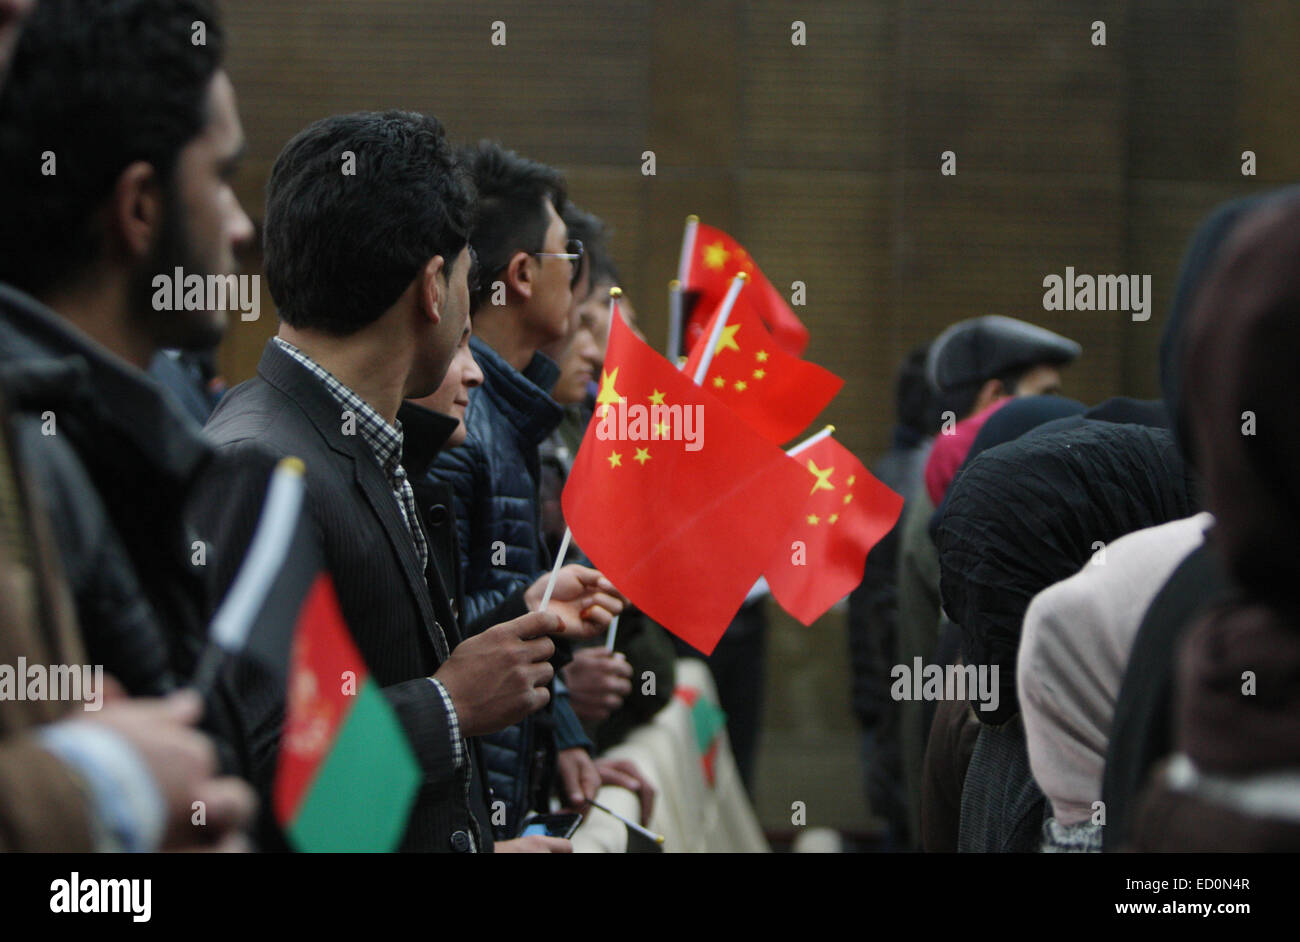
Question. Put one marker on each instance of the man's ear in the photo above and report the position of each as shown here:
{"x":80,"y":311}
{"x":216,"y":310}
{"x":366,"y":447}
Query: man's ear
{"x":430,"y":295}
{"x":519,"y":275}
{"x":136,"y":211}
{"x":989,"y":393}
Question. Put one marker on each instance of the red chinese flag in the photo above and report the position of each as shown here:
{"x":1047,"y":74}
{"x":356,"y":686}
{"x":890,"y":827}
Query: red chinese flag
{"x":778,"y":394}
{"x":846,"y":512}
{"x":677,"y":501}
{"x":714,"y":260}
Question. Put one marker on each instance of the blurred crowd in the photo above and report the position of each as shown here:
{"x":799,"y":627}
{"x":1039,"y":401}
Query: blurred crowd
{"x":1118,"y":575}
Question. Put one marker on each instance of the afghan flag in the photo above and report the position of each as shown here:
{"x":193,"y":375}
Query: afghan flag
{"x":676,"y":500}
{"x":846,"y":512}
{"x":778,"y":394}
{"x":710,"y":260}
{"x":708,"y":722}
{"x":345,"y":775}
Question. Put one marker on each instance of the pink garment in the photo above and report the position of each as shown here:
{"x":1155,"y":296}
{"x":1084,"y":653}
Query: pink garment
{"x":950,"y":451}
{"x":1074,"y":649}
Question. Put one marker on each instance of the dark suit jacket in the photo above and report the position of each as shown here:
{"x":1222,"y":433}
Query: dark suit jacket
{"x":401,"y":617}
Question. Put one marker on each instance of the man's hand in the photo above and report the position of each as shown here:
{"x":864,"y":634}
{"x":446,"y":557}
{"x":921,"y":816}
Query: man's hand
{"x":534,"y":844}
{"x":579,"y":778}
{"x":183,"y":762}
{"x":499,"y":676}
{"x":584,"y":599}
{"x":625,"y":774}
{"x":598,"y":680}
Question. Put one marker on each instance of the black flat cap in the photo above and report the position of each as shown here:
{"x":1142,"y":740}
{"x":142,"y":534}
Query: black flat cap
{"x":978,"y":349}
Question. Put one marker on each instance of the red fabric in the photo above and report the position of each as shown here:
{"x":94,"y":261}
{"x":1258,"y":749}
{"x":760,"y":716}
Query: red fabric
{"x":778,"y":394}
{"x":950,"y":451}
{"x":846,"y":512}
{"x":715,"y":260}
{"x":322,"y":651}
{"x":683,"y":529}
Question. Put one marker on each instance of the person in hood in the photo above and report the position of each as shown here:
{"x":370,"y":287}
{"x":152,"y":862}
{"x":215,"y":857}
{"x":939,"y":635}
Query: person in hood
{"x":1233,"y":782}
{"x":1022,"y":517}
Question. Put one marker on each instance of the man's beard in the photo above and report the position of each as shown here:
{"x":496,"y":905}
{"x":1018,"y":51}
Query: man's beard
{"x":173,"y":329}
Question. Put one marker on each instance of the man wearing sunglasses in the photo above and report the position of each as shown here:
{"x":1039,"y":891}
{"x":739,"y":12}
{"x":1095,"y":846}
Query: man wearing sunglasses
{"x":523,"y":301}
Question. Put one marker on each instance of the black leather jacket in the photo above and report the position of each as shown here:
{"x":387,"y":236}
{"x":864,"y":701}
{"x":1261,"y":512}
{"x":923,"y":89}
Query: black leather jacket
{"x":115,"y":461}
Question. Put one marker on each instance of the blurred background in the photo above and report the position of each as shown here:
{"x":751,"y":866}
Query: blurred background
{"x":823,"y":159}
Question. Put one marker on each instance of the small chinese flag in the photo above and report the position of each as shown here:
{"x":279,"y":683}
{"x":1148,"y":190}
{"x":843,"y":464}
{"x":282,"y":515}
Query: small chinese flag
{"x":846,"y":512}
{"x":714,"y":260}
{"x":676,"y":500}
{"x":778,"y":394}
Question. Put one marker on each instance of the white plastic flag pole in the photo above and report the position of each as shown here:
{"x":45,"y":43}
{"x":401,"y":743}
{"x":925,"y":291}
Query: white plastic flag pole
{"x":674,"y":319}
{"x":724,"y":312}
{"x":688,"y":249}
{"x":613,"y":633}
{"x":811,"y":440}
{"x":555,"y":570}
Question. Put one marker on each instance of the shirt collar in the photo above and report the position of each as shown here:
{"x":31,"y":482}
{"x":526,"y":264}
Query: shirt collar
{"x":384,"y":440}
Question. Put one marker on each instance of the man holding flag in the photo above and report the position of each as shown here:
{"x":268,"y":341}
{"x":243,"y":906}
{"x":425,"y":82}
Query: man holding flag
{"x":370,"y":273}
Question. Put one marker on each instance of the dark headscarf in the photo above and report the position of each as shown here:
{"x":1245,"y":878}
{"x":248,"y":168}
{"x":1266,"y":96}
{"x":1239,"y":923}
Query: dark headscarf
{"x":1026,"y":514}
{"x":1203,"y":251}
{"x":1014,"y":419}
{"x":1243,"y":348}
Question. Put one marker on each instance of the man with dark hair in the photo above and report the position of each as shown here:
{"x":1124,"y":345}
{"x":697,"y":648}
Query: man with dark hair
{"x":524,"y":302}
{"x":117,"y":137}
{"x":371,"y":272}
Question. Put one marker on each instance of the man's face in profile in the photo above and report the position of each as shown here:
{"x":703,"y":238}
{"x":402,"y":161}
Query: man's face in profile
{"x":1041,"y":380}
{"x":203,"y":225}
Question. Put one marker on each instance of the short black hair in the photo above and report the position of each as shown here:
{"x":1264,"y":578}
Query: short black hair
{"x":512,"y":192}
{"x":914,"y":398}
{"x":344,"y":235}
{"x":100,"y":84}
{"x":960,"y":399}
{"x":592,"y":232}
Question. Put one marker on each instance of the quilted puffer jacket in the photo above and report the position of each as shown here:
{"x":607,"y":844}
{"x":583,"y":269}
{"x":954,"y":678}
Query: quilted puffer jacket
{"x":494,"y":478}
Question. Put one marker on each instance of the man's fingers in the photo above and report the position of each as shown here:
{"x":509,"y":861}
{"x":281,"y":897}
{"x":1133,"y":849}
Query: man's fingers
{"x":229,"y":804}
{"x":619,"y":778}
{"x":535,"y":625}
{"x":539,"y":649}
{"x":610,"y":603}
{"x":183,"y":706}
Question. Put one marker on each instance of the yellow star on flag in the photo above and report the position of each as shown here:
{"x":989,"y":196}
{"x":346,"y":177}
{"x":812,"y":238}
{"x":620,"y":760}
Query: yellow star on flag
{"x":813,"y":519}
{"x":759,"y":374}
{"x":657,"y":398}
{"x":661,"y":430}
{"x":608,"y":394}
{"x":642,"y":456}
{"x":615,"y":460}
{"x":719,"y":382}
{"x":823,"y":476}
{"x":728,"y":339}
{"x":834,"y":517}
{"x":741,"y":385}
{"x":847,"y":498}
{"x":716,"y":255}
{"x":852,"y":478}
{"x":761,"y":356}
